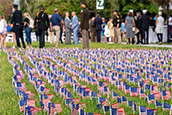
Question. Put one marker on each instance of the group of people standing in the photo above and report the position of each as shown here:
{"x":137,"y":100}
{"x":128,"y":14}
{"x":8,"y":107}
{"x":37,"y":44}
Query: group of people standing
{"x":111,"y":29}
{"x":50,"y":24}
{"x":139,"y":26}
{"x":54,"y":24}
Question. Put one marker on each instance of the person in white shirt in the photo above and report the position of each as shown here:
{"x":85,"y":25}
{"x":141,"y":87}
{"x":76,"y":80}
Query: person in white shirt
{"x":160,"y":27}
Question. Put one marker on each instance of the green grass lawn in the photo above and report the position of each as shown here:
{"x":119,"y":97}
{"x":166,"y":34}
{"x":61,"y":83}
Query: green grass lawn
{"x":94,"y":45}
{"x":9,"y":100}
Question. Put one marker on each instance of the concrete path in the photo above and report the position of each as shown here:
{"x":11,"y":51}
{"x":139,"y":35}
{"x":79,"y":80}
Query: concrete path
{"x":154,"y":45}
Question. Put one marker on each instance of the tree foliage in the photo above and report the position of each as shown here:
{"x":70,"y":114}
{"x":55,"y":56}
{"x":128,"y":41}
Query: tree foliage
{"x":32,"y":6}
{"x":5,"y":8}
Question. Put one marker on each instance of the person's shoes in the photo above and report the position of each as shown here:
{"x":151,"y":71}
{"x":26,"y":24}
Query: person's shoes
{"x":13,"y":47}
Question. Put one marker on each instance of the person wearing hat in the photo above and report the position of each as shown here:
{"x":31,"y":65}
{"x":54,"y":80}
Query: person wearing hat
{"x":145,"y":27}
{"x":41,"y":19}
{"x":84,"y":26}
{"x":17,"y":24}
{"x":160,"y":27}
{"x":55,"y":23}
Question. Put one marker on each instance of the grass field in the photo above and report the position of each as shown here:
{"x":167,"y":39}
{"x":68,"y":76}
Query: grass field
{"x":9,"y":100}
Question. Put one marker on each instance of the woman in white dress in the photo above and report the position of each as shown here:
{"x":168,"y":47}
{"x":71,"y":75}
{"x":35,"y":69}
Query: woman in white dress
{"x":160,"y":27}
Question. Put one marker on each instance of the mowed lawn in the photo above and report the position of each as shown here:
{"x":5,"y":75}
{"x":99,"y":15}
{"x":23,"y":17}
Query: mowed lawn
{"x":9,"y":100}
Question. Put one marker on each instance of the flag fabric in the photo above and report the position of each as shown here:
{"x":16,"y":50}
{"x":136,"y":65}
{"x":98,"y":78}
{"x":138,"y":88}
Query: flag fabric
{"x":142,"y":110}
{"x":75,"y":111}
{"x":166,"y":106}
{"x":157,"y":104}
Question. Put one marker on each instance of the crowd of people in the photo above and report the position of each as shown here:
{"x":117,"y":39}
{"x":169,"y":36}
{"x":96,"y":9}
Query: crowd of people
{"x":96,"y":28}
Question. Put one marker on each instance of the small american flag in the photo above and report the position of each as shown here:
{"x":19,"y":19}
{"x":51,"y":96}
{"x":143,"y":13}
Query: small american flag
{"x":75,"y":111}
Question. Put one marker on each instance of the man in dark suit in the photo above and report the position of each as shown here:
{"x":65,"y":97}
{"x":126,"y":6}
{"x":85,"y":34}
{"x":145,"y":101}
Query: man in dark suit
{"x":98,"y":22}
{"x":41,"y":19}
{"x":85,"y":15}
{"x":145,"y":27}
{"x":17,"y":24}
{"x":137,"y":22}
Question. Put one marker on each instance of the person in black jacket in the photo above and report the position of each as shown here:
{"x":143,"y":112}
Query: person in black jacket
{"x":98,"y":22}
{"x":41,"y":19}
{"x":17,"y":24}
{"x":137,"y":22}
{"x":145,"y":27}
{"x":84,"y":26}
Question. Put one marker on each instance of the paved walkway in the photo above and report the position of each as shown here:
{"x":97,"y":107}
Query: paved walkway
{"x":154,"y":45}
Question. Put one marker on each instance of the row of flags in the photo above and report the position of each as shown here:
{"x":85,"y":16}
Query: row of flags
{"x":104,"y":89}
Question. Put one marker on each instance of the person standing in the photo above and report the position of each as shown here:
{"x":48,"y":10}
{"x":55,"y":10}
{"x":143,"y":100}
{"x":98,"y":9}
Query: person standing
{"x":129,"y":24}
{"x":68,"y":28}
{"x":42,"y":19}
{"x":103,"y":29}
{"x":170,"y":25}
{"x":137,"y":22}
{"x":61,"y":31}
{"x":55,"y":23}
{"x":160,"y":27}
{"x":98,"y":22}
{"x":111,"y":29}
{"x":85,"y":15}
{"x":75,"y":27}
{"x":17,"y":25}
{"x":115,"y":25}
{"x":93,"y":30}
{"x":118,"y":29}
{"x":51,"y":33}
{"x":4,"y":33}
{"x":145,"y":27}
{"x":27,"y":29}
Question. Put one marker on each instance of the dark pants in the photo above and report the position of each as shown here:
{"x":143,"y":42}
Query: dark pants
{"x":28,"y":35}
{"x":42,"y":38}
{"x":169,"y":30}
{"x":85,"y":38}
{"x":61,"y":32}
{"x":143,"y":36}
{"x":98,"y":35}
{"x":138,"y":37}
{"x":160,"y":37}
{"x":19,"y":33}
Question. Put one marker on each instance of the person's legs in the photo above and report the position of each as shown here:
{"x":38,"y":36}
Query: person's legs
{"x":92,"y":37}
{"x":130,"y":40}
{"x":27,"y":36}
{"x":98,"y":35}
{"x":61,"y":32}
{"x":40,"y":39}
{"x":158,"y":38}
{"x":147,"y":37}
{"x":115,"y":35}
{"x":57,"y":31}
{"x":170,"y":31}
{"x":119,"y":35}
{"x":4,"y":40}
{"x":14,"y":39}
{"x":75,"y":35}
{"x":17,"y":37}
{"x":143,"y":36}
{"x":138,"y":40}
{"x":161,"y":37}
{"x":30,"y":39}
{"x":50,"y":35}
{"x":105,"y":39}
{"x":43,"y":38}
{"x":85,"y":39}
